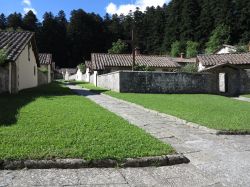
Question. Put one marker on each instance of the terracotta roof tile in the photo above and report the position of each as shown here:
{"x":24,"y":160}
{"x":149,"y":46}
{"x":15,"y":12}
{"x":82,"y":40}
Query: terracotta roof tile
{"x":100,"y":61}
{"x":45,"y":59}
{"x":184,"y":60}
{"x":14,"y":43}
{"x":233,"y":58}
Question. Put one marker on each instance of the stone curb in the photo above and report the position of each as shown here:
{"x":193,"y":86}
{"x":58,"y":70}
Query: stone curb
{"x":80,"y":163}
{"x":233,"y":133}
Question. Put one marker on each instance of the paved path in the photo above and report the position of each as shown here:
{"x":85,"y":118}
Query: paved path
{"x":215,"y":160}
{"x":243,"y":99}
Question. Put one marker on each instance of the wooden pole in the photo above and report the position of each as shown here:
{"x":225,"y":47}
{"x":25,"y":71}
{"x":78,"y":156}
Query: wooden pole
{"x":133,"y":50}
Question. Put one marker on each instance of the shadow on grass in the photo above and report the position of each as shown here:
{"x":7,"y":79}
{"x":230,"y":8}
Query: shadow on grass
{"x":11,"y":104}
{"x":95,"y":90}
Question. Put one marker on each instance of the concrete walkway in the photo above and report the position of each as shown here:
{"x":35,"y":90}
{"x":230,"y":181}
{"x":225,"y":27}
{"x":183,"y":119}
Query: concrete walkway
{"x":243,"y":99}
{"x":215,"y":160}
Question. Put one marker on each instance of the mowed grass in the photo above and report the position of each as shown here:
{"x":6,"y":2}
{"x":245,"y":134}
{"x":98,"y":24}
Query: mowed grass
{"x":212,"y":111}
{"x":51,"y":122}
{"x":248,"y":96}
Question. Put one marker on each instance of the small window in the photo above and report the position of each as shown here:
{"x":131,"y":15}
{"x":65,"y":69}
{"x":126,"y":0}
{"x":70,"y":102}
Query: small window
{"x":34,"y":70}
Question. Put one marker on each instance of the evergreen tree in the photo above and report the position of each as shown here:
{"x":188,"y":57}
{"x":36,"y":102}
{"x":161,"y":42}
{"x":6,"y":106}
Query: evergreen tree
{"x":15,"y":21}
{"x":49,"y":40}
{"x":3,"y":22}
{"x":30,"y":21}
{"x":243,"y":21}
{"x":86,"y":35}
{"x":154,"y":22}
{"x":206,"y":21}
{"x":190,"y":13}
{"x":61,"y":53}
{"x":173,"y":23}
{"x":210,"y":22}
{"x":223,"y":12}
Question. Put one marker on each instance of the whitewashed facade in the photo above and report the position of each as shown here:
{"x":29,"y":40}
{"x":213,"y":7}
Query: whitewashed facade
{"x":23,"y":73}
{"x":226,"y":49}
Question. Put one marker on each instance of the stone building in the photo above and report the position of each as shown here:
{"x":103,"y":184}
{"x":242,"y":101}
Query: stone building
{"x":107,"y":63}
{"x":241,"y":60}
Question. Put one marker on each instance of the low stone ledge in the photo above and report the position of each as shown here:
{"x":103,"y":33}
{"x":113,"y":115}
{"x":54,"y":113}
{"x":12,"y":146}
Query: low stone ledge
{"x":233,"y":133}
{"x":80,"y":163}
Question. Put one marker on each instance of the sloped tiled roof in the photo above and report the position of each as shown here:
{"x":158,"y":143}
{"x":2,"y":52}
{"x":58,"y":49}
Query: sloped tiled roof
{"x":233,"y":58}
{"x":211,"y":68}
{"x":100,"y":61}
{"x":184,"y":60}
{"x":45,"y":59}
{"x":69,"y":70}
{"x":14,"y":42}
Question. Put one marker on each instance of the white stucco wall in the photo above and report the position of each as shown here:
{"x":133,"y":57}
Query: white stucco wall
{"x":66,"y":76}
{"x":93,"y":78}
{"x":48,"y":68}
{"x":69,"y":77}
{"x":226,"y":50}
{"x":87,"y":75}
{"x":79,"y":75}
{"x":201,"y":67}
{"x":26,"y":70}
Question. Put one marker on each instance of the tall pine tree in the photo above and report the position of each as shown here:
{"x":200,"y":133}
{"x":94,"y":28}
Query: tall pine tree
{"x":15,"y":21}
{"x":3,"y":22}
{"x":30,"y":21}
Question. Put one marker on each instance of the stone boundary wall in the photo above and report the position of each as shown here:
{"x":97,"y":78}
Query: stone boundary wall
{"x":110,"y":81}
{"x":93,"y":78}
{"x":42,"y":77}
{"x":4,"y":79}
{"x":159,"y":82}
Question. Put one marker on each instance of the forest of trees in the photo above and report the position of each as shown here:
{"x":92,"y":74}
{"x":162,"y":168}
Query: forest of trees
{"x":182,"y":26}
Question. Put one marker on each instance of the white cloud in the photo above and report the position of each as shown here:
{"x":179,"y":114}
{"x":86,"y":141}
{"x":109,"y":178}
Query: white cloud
{"x":126,"y":8}
{"x":26,"y":2}
{"x":27,"y":9}
{"x":111,"y":8}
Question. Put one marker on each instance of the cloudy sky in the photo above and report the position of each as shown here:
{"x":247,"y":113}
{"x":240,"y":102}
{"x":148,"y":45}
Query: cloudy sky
{"x":98,"y":6}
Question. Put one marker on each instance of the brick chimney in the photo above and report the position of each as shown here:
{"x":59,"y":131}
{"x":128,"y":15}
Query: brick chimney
{"x":137,"y":51}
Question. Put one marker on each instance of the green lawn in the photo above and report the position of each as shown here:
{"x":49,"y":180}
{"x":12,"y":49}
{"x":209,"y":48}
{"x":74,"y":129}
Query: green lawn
{"x":246,"y":96}
{"x":212,"y":111}
{"x":51,"y":122}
